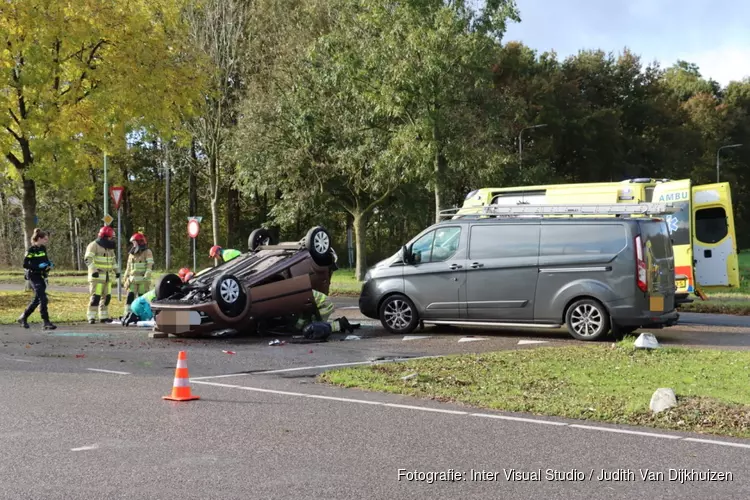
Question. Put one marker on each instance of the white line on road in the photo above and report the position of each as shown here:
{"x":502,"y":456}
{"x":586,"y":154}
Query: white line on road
{"x":348,"y":307}
{"x":107,"y":371}
{"x":484,"y":415}
{"x":722,"y":443}
{"x":85,"y":448}
{"x":624,"y":431}
{"x":20,"y":360}
{"x":517,"y":419}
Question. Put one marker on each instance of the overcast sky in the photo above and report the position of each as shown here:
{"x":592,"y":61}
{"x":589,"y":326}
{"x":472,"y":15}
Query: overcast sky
{"x":713,"y":34}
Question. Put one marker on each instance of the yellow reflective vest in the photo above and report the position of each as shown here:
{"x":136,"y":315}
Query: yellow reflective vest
{"x":101,"y":260}
{"x":139,"y":266}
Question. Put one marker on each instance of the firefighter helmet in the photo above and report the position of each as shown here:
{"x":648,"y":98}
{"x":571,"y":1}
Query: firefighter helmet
{"x":215,"y":252}
{"x":138,"y":238}
{"x":182,"y":272}
{"x":106,"y":232}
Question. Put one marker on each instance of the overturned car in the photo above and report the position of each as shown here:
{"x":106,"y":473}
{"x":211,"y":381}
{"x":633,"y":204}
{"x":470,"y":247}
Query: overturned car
{"x":271,"y":280}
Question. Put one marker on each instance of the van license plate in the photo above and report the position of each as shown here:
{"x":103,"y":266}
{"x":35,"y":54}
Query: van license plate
{"x":656,"y":304}
{"x":681,"y":283}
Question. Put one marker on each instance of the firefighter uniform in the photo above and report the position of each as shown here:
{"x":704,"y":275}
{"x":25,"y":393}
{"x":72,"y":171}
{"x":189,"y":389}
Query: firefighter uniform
{"x":101,"y":260}
{"x":138,"y":271}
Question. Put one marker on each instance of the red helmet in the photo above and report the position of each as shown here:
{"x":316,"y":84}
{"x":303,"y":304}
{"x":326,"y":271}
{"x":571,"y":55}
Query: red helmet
{"x":188,"y":277}
{"x":215,"y":252}
{"x":138,"y":238}
{"x":182,"y":272}
{"x":106,"y":232}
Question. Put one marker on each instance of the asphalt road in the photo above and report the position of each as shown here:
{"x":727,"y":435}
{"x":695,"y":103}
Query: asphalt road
{"x":83,"y":417}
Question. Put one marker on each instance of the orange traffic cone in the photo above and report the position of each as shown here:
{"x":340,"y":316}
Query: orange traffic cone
{"x":181,"y":387}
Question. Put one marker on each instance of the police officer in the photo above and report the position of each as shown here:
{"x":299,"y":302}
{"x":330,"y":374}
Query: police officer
{"x":101,"y":260}
{"x":224,"y":256}
{"x":139,"y":269}
{"x":37,"y":265}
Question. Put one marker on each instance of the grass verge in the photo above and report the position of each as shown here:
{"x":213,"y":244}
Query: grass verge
{"x":63,"y":307}
{"x":605,"y":383}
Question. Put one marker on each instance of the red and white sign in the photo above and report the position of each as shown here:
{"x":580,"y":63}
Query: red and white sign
{"x":116,"y":193}
{"x":193,"y":228}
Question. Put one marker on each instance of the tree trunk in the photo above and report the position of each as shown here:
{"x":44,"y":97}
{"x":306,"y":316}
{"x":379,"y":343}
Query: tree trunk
{"x":5,"y":243}
{"x":193,"y":182}
{"x":29,"y":208}
{"x":233,"y":216}
{"x":359,"y":224}
{"x":72,"y":239}
{"x":439,"y":167}
{"x":213,"y":178}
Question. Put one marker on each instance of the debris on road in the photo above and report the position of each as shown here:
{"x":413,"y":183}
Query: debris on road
{"x":663,"y":399}
{"x":229,"y":352}
{"x":352,"y":337}
{"x":80,"y":355}
{"x":277,"y":342}
{"x":647,"y":341}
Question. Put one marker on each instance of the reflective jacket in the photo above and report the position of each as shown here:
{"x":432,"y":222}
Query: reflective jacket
{"x":100,"y":260}
{"x":36,"y":256}
{"x":325,"y":306}
{"x":230,"y":254}
{"x":140,"y":266}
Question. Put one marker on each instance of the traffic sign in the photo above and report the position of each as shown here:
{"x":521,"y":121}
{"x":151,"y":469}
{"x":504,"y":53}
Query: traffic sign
{"x":196,"y":217}
{"x":108,"y":219}
{"x":116,"y":194}
{"x":193,"y":228}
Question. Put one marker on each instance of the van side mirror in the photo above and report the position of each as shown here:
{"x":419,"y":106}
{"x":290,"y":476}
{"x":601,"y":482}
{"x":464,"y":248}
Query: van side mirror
{"x":405,"y":257}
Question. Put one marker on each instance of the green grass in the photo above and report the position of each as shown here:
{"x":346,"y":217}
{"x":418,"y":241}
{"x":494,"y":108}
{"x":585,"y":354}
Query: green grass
{"x":63,"y":307}
{"x":605,"y":383}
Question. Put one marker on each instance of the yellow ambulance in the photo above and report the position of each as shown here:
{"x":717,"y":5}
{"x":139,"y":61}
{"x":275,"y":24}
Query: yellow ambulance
{"x":703,"y":233}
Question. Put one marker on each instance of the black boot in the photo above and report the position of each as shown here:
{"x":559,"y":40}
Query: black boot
{"x":48,"y":325}
{"x":22,"y":321}
{"x":92,"y":321}
{"x":346,"y":326}
{"x":108,"y":320}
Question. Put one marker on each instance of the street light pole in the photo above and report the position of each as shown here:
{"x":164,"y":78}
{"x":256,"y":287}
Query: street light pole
{"x":718,"y":160}
{"x":520,"y":143}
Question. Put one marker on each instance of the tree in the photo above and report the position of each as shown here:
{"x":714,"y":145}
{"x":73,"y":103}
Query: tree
{"x":79,"y":77}
{"x":218,"y":29}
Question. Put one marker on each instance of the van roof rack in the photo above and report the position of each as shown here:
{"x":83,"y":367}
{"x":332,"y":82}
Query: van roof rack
{"x":560,"y":209}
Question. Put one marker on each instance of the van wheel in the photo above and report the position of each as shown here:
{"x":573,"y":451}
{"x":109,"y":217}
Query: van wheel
{"x":398,"y":314}
{"x":587,"y":319}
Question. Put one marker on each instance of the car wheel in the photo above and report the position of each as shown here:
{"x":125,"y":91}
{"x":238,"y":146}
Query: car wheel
{"x":587,"y":319}
{"x":398,"y":314}
{"x":318,"y":243}
{"x":229,"y":293}
{"x":168,"y":285}
{"x":259,"y":237}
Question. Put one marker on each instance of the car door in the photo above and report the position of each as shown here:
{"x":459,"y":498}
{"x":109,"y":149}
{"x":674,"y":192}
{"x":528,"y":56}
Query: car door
{"x":502,"y":272}
{"x":435,"y":280}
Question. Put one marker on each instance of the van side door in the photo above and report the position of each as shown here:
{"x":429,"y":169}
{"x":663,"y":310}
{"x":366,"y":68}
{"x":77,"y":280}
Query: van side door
{"x":435,"y":279}
{"x":502,"y":271}
{"x":714,"y":241}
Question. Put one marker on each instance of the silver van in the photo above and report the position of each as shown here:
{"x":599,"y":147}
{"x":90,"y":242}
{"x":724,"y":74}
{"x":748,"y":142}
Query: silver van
{"x":594,"y":275}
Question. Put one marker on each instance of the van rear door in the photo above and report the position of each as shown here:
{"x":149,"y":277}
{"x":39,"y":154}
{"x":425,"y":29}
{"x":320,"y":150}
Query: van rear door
{"x":660,"y":268}
{"x":714,"y":241}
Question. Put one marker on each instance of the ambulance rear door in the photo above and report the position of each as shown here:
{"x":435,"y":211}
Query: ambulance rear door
{"x":714,"y":240}
{"x":680,"y":229}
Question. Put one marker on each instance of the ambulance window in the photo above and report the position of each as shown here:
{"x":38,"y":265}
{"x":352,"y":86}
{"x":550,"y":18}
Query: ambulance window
{"x":649,"y":194}
{"x":711,"y":225}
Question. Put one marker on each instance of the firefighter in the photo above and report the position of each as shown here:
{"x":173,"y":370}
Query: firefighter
{"x":140,"y":310}
{"x":101,"y":259}
{"x":37,"y":265}
{"x":139,"y":269}
{"x":224,"y":256}
{"x":317,"y":326}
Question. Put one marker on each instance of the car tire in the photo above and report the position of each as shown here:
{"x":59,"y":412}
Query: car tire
{"x":587,"y":319}
{"x":168,"y":285}
{"x":318,"y":243}
{"x":398,"y":314}
{"x":229,"y":293}
{"x":259,"y":237}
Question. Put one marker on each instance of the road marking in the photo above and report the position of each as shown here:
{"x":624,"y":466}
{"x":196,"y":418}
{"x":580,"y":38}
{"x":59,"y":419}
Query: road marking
{"x":348,"y":307}
{"x":458,"y":412}
{"x":219,"y":376}
{"x":314,"y":367}
{"x":471,"y":339}
{"x":85,"y":448}
{"x":711,"y":441}
{"x":415,"y":337}
{"x":20,"y":360}
{"x":624,"y":431}
{"x":107,"y":371}
{"x":524,"y":342}
{"x":517,"y":419}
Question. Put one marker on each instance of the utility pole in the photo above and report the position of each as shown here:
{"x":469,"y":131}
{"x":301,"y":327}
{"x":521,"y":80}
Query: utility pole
{"x":520,"y":143}
{"x":718,"y":160}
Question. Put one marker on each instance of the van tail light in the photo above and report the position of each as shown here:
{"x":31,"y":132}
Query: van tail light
{"x":641,"y":276}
